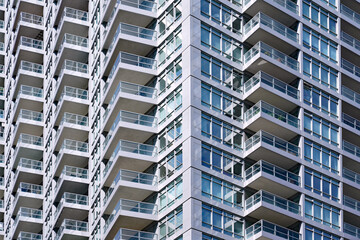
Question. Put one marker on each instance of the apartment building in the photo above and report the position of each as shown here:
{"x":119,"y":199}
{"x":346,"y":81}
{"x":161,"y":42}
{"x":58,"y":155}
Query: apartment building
{"x":180,"y":119}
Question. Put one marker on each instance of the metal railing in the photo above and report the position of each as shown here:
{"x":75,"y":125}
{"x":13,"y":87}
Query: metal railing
{"x":75,"y":198}
{"x":76,"y":14}
{"x":75,"y":119}
{"x":29,"y":236}
{"x":31,"y":91}
{"x":351,"y":148}
{"x":134,"y":235}
{"x":350,"y":40}
{"x":348,"y":12}
{"x":75,"y":66}
{"x":267,"y":21}
{"x":75,"y":40}
{"x":75,"y":172}
{"x":264,"y":107}
{"x":75,"y":145}
{"x":75,"y":93}
{"x":350,"y":94}
{"x":352,"y":203}
{"x":31,"y":115}
{"x":30,"y":188}
{"x":352,"y":230}
{"x":32,"y":67}
{"x":30,"y":42}
{"x":263,"y":196}
{"x":30,"y":139}
{"x":288,"y":4}
{"x":350,"y":67}
{"x":261,"y":47}
{"x":262,"y":166}
{"x":264,"y":137}
{"x":350,"y":121}
{"x":28,"y":212}
{"x":73,"y":225}
{"x":31,"y":18}
{"x":30,"y":163}
{"x":273,"y":229}
{"x":351,"y":175}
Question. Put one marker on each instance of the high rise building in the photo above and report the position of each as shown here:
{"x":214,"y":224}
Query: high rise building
{"x":180,"y":119}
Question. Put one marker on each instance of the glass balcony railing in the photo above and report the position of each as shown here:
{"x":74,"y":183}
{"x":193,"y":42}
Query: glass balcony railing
{"x":31,"y":18}
{"x":262,"y":166}
{"x":30,"y":139}
{"x":2,"y":25}
{"x":267,"y":21}
{"x":30,"y":188}
{"x":262,"y":196}
{"x":131,"y":147}
{"x":72,"y":198}
{"x":263,"y":107}
{"x":75,"y":40}
{"x":77,"y":172}
{"x":31,"y":91}
{"x":29,"y":213}
{"x":350,"y":40}
{"x":2,"y":181}
{"x":75,"y":13}
{"x":348,"y":66}
{"x":276,"y":142}
{"x":132,"y":206}
{"x":350,"y":94}
{"x":31,"y":67}
{"x":75,"y":66}
{"x":134,"y":234}
{"x":31,"y":115}
{"x":348,"y":12}
{"x":1,"y":203}
{"x":352,"y":203}
{"x":30,"y":42}
{"x":350,"y":121}
{"x":261,"y":47}
{"x":75,"y":119}
{"x":31,"y":164}
{"x":351,"y":148}
{"x":352,"y":176}
{"x":352,"y":230}
{"x":75,"y":93}
{"x":72,"y":225}
{"x":29,"y":236}
{"x":276,"y":230}
{"x":75,"y":145}
{"x":2,"y":46}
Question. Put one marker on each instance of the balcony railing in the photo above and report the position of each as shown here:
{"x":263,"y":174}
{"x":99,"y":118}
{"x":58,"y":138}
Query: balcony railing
{"x":75,"y":66}
{"x":132,"y":206}
{"x":131,"y":147}
{"x":2,"y":46}
{"x":2,"y":182}
{"x":30,"y":42}
{"x":75,"y":13}
{"x":352,"y":176}
{"x":75,"y":145}
{"x":350,"y":94}
{"x":32,"y":67}
{"x":2,"y":25}
{"x":276,"y":142}
{"x":263,"y":107}
{"x":77,"y":172}
{"x":29,"y":213}
{"x":30,"y":188}
{"x":273,"y":229}
{"x":75,"y":93}
{"x":75,"y":119}
{"x":351,"y":148}
{"x":30,"y":139}
{"x":31,"y":91}
{"x":262,"y":196}
{"x":2,"y":158}
{"x":31,"y":115}
{"x":273,"y":170}
{"x":134,"y":235}
{"x":350,"y":40}
{"x":75,"y":40}
{"x":350,"y":121}
{"x":75,"y":198}
{"x":352,"y":230}
{"x":267,"y":21}
{"x":352,"y":203}
{"x":30,"y":163}
{"x":261,"y":47}
{"x":348,"y":12}
{"x":31,"y":18}
{"x":72,"y":225}
{"x":350,"y":67}
{"x":29,"y":236}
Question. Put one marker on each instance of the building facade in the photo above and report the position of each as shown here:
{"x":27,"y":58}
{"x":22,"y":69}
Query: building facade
{"x":180,"y":119}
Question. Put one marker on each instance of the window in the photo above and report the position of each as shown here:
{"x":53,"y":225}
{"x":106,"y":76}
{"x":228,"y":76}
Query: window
{"x":220,"y":131}
{"x":169,"y":194}
{"x":221,"y":191}
{"x":170,"y":164}
{"x":320,"y":72}
{"x":219,"y":72}
{"x":321,"y":184}
{"x":221,"y":221}
{"x":170,"y":15}
{"x":170,"y":134}
{"x":221,"y":102}
{"x":321,"y":128}
{"x":320,"y":44}
{"x":312,"y":233}
{"x":171,"y":74}
{"x":220,"y":43}
{"x":321,"y":156}
{"x":222,"y":15}
{"x":322,"y":213}
{"x":320,"y":17}
{"x":220,"y":161}
{"x":171,"y":223}
{"x":171,"y":104}
{"x":208,"y":237}
{"x":169,"y":46}
{"x":321,"y":100}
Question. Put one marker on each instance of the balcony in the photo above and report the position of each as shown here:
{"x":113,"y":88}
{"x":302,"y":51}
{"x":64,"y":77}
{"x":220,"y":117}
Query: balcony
{"x":141,"y":185}
{"x":134,"y":234}
{"x":266,"y":58}
{"x":29,"y":236}
{"x":351,"y":230}
{"x":350,"y":68}
{"x":350,"y":94}
{"x":353,"y":149}
{"x":351,"y":203}
{"x":269,"y":177}
{"x":74,"y":48}
{"x":267,"y":206}
{"x":35,"y":44}
{"x":73,"y":228}
{"x":29,"y":73}
{"x":28,"y":170}
{"x":350,"y":175}
{"x":350,"y":121}
{"x":350,"y":14}
{"x":129,"y":213}
{"x":350,"y":40}
{"x":31,"y":164}
{"x":263,"y":116}
{"x":30,"y":18}
{"x":267,"y":230}
{"x":28,"y":146}
{"x":28,"y":195}
{"x":31,"y":220}
{"x":264,"y":146}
